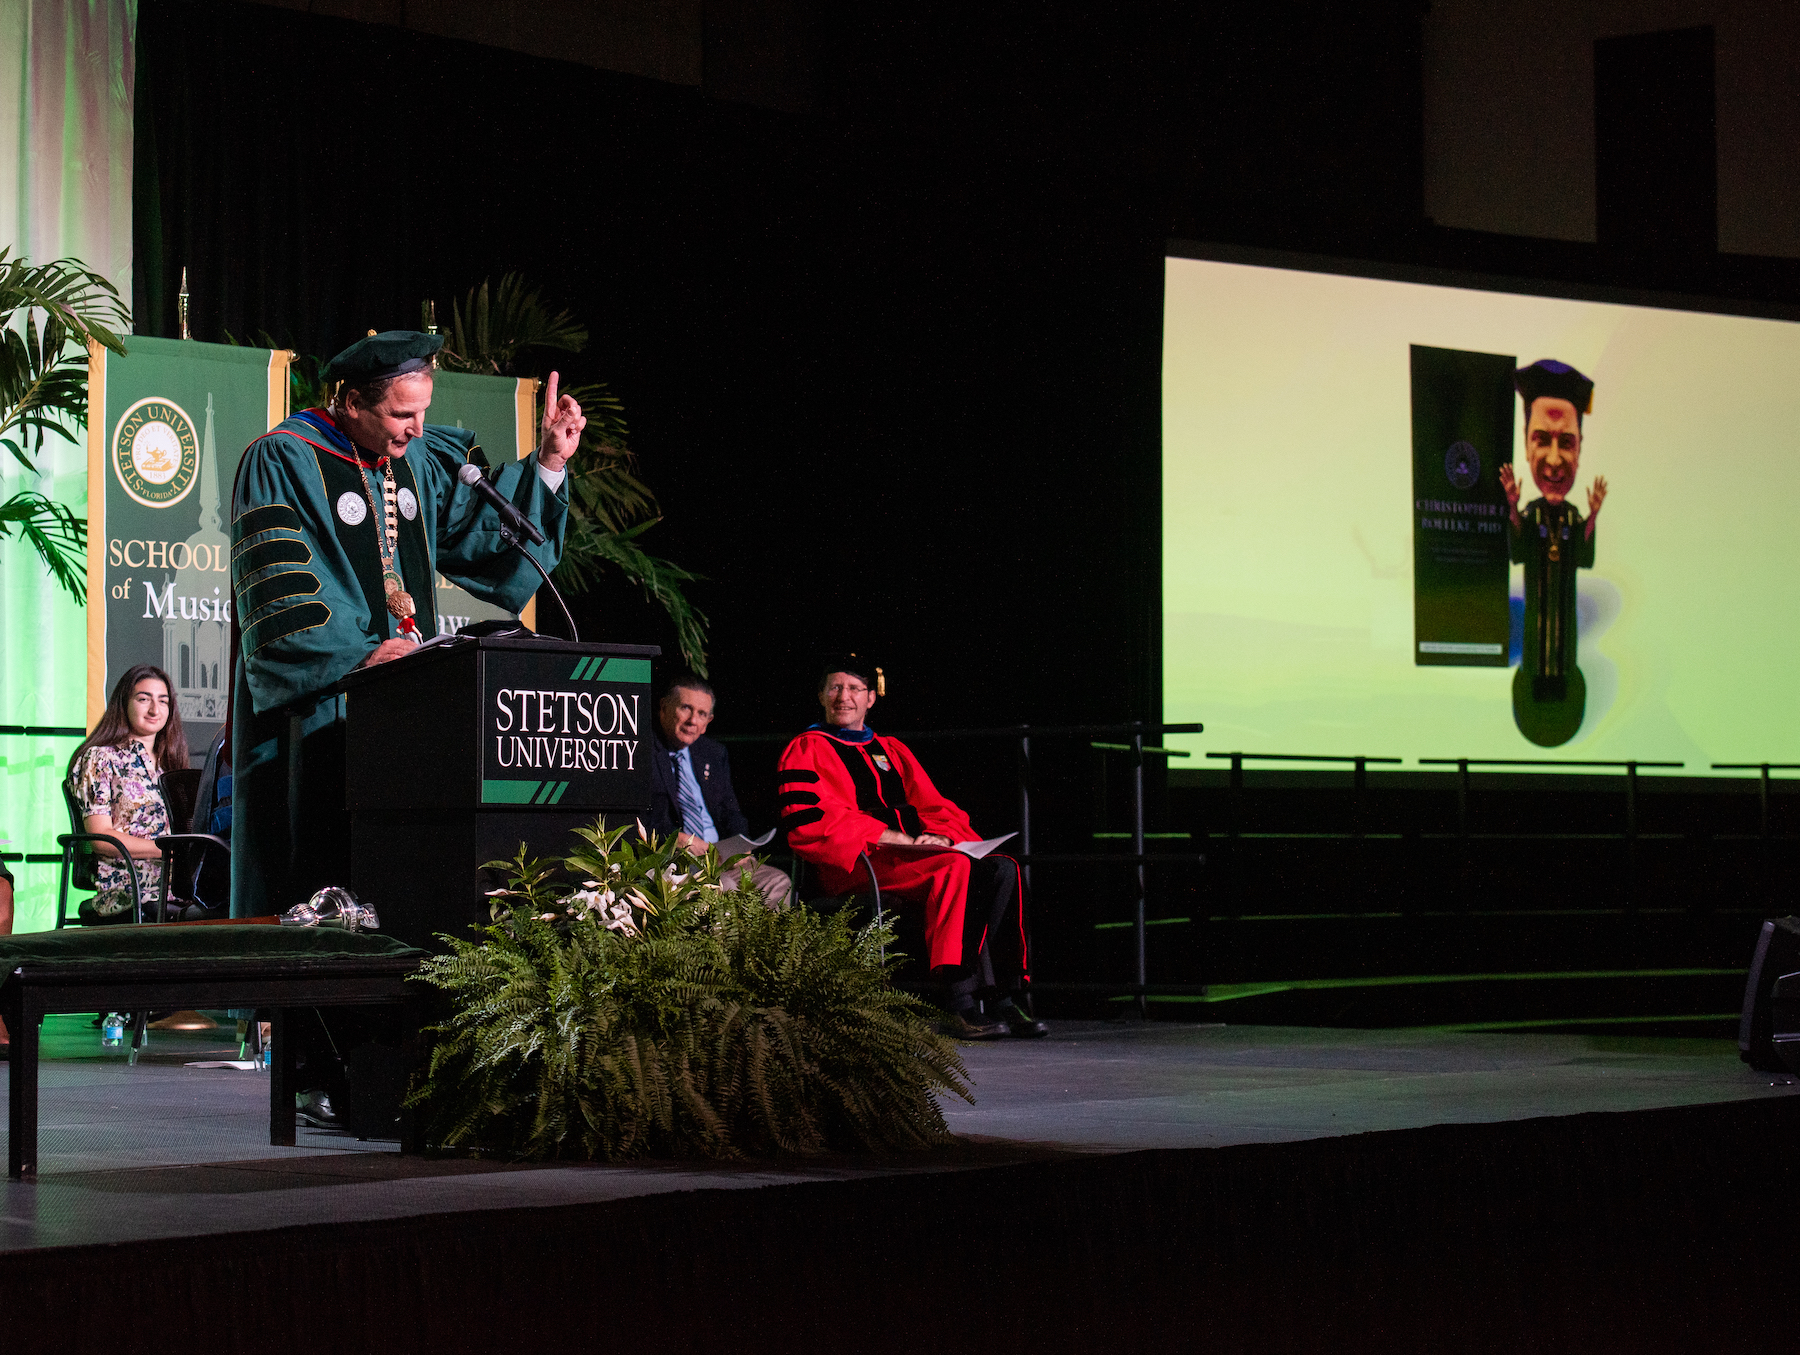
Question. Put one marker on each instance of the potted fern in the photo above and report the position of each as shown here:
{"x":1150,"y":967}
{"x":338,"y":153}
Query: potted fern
{"x":639,"y":1001}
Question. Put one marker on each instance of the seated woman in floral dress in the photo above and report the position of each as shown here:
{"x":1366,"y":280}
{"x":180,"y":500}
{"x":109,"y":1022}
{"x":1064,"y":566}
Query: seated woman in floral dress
{"x":116,"y":771}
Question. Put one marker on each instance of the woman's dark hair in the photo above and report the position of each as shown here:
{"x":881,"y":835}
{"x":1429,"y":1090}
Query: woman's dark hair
{"x":114,"y":727}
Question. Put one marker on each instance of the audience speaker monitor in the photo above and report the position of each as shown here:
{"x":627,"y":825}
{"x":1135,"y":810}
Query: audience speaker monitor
{"x":1771,"y":1017}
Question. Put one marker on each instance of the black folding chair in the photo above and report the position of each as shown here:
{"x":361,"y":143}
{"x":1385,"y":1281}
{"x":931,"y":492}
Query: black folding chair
{"x":185,"y":854}
{"x":81,"y":867}
{"x":837,"y":902}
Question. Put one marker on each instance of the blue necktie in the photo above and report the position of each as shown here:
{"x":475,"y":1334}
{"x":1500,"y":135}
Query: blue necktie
{"x":694,"y":816}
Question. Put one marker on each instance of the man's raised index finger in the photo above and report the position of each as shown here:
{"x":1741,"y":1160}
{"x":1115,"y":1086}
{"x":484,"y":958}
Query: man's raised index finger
{"x":550,"y":398}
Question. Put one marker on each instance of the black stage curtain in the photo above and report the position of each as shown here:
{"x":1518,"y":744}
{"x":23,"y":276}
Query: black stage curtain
{"x":879,"y":413}
{"x":892,"y":366}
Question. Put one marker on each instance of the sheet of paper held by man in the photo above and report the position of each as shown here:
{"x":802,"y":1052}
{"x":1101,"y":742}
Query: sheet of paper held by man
{"x":737,"y":844}
{"x":974,"y":849}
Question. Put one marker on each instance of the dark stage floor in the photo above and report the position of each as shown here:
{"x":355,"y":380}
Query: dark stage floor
{"x":163,"y":1150}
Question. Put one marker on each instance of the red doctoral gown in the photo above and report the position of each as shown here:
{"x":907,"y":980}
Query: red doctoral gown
{"x":838,"y":797}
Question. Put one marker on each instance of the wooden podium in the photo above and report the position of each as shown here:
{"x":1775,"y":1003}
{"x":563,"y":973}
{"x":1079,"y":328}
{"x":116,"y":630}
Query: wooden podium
{"x":460,"y":752}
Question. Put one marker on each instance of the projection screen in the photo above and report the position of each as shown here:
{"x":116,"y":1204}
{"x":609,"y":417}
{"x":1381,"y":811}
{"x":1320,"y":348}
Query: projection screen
{"x":1344,"y":572}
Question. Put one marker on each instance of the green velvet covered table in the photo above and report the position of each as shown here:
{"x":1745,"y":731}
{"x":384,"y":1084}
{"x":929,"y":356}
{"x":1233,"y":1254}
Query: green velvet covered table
{"x":171,"y":966}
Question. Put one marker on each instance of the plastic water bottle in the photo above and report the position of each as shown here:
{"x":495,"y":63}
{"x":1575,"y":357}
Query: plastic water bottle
{"x":112,"y":1031}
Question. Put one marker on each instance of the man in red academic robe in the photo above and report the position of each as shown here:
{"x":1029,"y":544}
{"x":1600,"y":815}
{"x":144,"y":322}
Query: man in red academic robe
{"x":847,"y":791}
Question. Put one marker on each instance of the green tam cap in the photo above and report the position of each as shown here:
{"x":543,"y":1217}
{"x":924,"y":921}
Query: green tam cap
{"x":397,"y":352}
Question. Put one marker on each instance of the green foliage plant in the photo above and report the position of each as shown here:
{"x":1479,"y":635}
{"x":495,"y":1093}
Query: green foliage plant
{"x":43,"y":391}
{"x":499,"y":331}
{"x":658,"y":1007}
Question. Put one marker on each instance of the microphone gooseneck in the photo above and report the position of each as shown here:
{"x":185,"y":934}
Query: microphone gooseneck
{"x":514,"y":524}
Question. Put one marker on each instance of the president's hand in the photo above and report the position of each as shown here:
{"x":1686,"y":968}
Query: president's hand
{"x":563,"y":422}
{"x":932,"y":840}
{"x":397,"y":648}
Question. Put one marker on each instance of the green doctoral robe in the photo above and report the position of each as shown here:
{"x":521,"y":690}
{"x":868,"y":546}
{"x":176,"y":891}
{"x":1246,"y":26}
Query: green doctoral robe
{"x":1552,"y":542}
{"x":310,"y":607}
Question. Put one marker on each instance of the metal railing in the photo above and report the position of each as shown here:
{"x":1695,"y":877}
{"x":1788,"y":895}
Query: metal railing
{"x":1462,"y":765}
{"x":1359,"y":779}
{"x":1762,"y":782}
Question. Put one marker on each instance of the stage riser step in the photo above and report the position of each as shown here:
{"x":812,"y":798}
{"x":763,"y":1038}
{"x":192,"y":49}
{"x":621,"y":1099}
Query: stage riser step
{"x":1332,"y":876}
{"x":1697,"y":1005}
{"x":1232,"y":951}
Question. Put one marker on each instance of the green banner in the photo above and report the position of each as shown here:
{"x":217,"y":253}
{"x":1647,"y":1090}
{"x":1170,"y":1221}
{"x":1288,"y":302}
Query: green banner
{"x":490,"y":406}
{"x":1462,"y":433}
{"x":177,"y":417}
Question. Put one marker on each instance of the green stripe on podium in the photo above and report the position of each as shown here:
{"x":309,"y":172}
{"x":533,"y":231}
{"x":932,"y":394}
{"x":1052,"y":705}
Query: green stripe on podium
{"x":595,"y":668}
{"x":509,"y":792}
{"x":625,"y":670}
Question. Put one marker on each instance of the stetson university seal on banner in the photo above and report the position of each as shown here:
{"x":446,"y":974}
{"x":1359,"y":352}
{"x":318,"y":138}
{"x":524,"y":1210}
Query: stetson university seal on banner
{"x":155,"y":453}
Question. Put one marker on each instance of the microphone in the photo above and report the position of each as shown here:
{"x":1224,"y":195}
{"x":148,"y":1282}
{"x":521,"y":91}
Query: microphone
{"x":513,"y":525}
{"x":471,"y":475}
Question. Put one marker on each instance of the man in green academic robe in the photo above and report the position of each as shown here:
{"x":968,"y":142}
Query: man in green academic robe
{"x":342,"y":518}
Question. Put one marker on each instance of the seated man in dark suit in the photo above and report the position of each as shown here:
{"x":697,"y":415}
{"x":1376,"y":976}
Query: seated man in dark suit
{"x":690,"y":783}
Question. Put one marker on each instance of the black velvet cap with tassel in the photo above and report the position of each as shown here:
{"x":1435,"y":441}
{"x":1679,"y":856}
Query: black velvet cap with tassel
{"x":1558,"y":380}
{"x":871,"y":674}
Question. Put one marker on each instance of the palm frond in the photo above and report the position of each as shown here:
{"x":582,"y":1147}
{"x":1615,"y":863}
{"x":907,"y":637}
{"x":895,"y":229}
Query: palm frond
{"x":491,"y":330}
{"x":491,"y":327}
{"x":55,"y":533}
{"x":587,"y":549}
{"x":43,"y":366}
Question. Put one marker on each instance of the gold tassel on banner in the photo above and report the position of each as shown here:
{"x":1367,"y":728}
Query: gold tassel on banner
{"x":880,"y":683}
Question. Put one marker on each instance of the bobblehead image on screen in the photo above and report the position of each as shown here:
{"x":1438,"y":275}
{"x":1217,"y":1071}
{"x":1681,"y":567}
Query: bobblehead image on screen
{"x":1426,"y":521}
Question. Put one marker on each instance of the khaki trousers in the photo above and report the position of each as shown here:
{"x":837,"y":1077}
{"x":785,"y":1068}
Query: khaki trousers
{"x":773,"y":884}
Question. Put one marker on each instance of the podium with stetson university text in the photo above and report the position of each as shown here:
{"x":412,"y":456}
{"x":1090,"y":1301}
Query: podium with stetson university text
{"x":458,"y":753}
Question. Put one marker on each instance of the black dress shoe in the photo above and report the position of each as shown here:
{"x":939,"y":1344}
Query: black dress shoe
{"x":970,"y":1024}
{"x":313,"y":1107}
{"x":1023,"y":1026}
